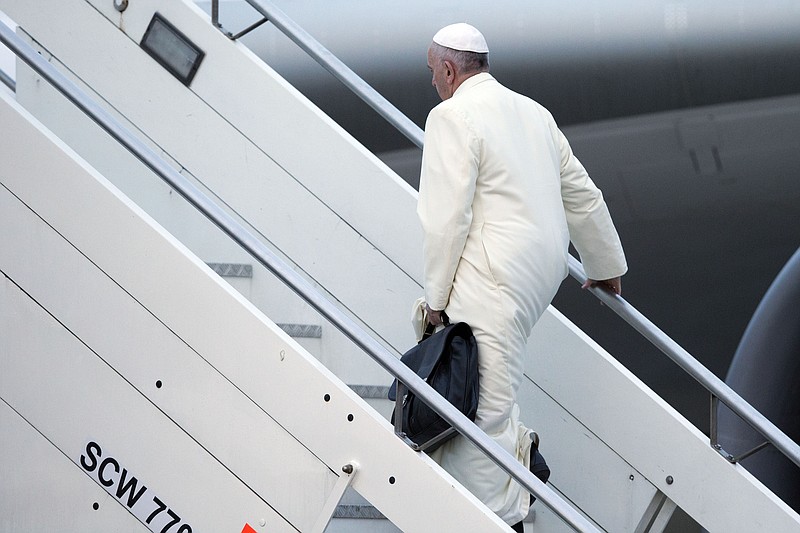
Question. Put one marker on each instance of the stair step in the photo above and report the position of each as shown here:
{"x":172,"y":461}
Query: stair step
{"x":307,"y":331}
{"x":232,"y":270}
{"x":364,"y":511}
{"x":242,"y":270}
{"x":371,"y":391}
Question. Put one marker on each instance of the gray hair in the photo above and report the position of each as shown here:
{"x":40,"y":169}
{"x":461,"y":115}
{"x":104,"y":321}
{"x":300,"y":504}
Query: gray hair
{"x":467,"y":62}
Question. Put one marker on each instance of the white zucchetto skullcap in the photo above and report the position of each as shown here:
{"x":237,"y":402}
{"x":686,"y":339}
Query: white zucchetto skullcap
{"x":461,"y":36}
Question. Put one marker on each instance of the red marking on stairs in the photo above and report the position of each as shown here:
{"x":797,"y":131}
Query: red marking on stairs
{"x":248,"y":529}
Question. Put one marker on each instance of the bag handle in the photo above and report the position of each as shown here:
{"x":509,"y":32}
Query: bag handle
{"x":430,"y":328}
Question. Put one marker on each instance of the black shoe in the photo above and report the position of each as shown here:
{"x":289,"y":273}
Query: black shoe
{"x":538,"y":465}
{"x":539,"y":468}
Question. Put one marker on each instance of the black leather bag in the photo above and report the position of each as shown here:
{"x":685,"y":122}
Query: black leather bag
{"x":448,"y":361}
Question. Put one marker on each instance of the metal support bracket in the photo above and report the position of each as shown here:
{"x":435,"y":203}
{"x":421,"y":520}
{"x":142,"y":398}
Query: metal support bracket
{"x":657,"y":514}
{"x":728,"y":457}
{"x":400,"y":400}
{"x":215,"y":21}
{"x":747,"y":454}
{"x":398,"y":423}
{"x":714,"y":430}
{"x":348,"y":473}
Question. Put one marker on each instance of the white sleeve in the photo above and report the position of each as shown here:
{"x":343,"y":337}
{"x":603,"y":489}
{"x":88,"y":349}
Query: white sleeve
{"x":447,"y":187}
{"x":591,"y":229}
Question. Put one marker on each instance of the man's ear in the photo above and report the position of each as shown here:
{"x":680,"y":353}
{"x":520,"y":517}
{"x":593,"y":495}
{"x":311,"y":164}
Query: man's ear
{"x":450,"y":71}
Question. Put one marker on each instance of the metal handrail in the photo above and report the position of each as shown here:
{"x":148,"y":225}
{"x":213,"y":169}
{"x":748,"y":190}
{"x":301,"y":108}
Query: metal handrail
{"x":236,"y":231}
{"x":627,"y":312}
{"x":342,"y":72}
{"x":8,"y":81}
{"x":692,"y":366}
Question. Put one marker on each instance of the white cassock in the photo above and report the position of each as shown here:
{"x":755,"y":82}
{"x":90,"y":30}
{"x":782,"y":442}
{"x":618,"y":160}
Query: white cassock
{"x":501,"y":195}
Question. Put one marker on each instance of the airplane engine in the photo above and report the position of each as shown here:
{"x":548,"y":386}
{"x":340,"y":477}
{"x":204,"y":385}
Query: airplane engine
{"x":765,"y":371}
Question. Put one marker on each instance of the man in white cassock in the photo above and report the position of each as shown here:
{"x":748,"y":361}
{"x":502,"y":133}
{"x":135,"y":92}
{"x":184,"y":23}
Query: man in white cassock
{"x":501,"y":196}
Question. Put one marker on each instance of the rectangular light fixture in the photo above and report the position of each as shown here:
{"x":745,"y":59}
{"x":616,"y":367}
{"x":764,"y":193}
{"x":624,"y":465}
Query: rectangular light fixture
{"x":172,"y":49}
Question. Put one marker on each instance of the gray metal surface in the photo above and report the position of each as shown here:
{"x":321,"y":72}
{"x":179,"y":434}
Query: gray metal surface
{"x":307,"y":331}
{"x":232,"y":270}
{"x":371,"y":391}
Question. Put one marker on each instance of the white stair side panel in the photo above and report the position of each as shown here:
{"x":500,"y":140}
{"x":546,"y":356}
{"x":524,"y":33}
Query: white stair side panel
{"x":43,"y":489}
{"x":161,"y":366}
{"x":651,"y":436}
{"x":249,"y":351}
{"x":206,"y":240}
{"x":73,"y":398}
{"x":293,"y":165}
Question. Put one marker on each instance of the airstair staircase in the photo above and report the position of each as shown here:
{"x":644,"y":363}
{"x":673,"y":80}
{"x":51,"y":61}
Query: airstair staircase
{"x":155,"y":377}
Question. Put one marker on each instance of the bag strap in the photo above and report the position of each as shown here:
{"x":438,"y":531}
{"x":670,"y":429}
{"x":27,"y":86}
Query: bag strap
{"x":430,"y":328}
